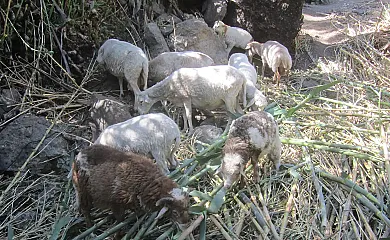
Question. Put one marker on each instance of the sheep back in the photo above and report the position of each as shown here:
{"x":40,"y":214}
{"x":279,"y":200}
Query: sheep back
{"x":240,"y":61}
{"x":153,"y":134}
{"x":166,"y":63}
{"x":124,"y":60}
{"x":238,"y":36}
{"x":107,"y":178}
{"x":255,"y":135}
{"x":276,"y":56}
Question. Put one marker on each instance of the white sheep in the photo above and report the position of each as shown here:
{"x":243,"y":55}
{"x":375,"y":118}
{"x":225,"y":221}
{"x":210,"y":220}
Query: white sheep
{"x":251,"y":136}
{"x":274,"y":54}
{"x":205,"y":88}
{"x":166,"y":63}
{"x":253,"y":95}
{"x":153,"y":134}
{"x":125,"y":60}
{"x":234,"y":36}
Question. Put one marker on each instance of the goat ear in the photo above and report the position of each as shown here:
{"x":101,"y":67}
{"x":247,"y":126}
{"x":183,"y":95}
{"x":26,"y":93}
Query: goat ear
{"x":164,"y":199}
{"x":161,"y":213}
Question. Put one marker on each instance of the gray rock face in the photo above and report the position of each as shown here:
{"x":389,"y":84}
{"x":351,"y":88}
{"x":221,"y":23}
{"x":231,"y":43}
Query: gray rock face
{"x":105,"y":112}
{"x":20,"y":137}
{"x":214,"y":10}
{"x":155,"y":40}
{"x":195,"y":35}
{"x":9,"y":97}
{"x":166,"y":23}
{"x":206,"y":134}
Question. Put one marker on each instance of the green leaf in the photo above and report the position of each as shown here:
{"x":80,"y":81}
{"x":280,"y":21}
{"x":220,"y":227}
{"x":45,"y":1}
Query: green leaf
{"x":200,"y":195}
{"x":203,"y":228}
{"x":62,"y":222}
{"x":218,"y":201}
{"x":197,"y":209}
{"x":10,"y":232}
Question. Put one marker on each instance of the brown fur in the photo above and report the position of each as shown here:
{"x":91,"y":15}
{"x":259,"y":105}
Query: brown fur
{"x":122,"y":180}
{"x":239,"y":142}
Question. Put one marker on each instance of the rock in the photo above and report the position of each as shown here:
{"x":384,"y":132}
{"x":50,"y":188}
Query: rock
{"x":19,"y":138}
{"x":155,"y":40}
{"x":195,"y":35}
{"x":218,"y":120}
{"x":105,"y":112}
{"x":214,"y":10}
{"x":8,"y":98}
{"x":206,"y":134}
{"x":166,"y":23}
{"x":278,"y":20}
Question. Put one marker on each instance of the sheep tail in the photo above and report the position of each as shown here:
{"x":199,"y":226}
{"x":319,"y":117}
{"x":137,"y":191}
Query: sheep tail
{"x":144,"y":73}
{"x":99,"y":58}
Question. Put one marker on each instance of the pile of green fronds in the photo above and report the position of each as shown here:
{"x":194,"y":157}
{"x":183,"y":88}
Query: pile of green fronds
{"x":334,"y":181}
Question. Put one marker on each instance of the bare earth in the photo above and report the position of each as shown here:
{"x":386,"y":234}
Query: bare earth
{"x":335,"y":22}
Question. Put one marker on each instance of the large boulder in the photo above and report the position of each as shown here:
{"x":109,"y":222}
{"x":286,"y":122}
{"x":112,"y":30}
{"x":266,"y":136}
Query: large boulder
{"x":278,"y":20}
{"x":155,"y":40}
{"x":166,"y":23}
{"x":19,"y":138}
{"x":105,"y":112}
{"x":214,"y":10}
{"x":195,"y":35}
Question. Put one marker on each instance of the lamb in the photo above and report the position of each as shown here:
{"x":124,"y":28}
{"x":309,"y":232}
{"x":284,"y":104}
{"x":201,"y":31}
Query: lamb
{"x":253,"y":95}
{"x":205,"y":88}
{"x":107,"y":178}
{"x":234,"y":36}
{"x":252,"y":135}
{"x":274,"y":54}
{"x":153,"y":134}
{"x":166,"y":63}
{"x":125,"y":60}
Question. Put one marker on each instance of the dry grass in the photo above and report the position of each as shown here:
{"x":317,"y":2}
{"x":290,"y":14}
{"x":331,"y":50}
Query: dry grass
{"x":334,"y":183}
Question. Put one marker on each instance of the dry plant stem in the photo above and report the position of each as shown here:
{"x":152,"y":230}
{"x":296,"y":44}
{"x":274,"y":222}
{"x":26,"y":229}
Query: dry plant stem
{"x":256,"y":212}
{"x":158,"y":228}
{"x":145,"y":226}
{"x":191,"y":228}
{"x":219,"y":226}
{"x":91,"y":229}
{"x":166,"y":234}
{"x":307,"y":142}
{"x":263,"y":234}
{"x":114,"y":229}
{"x":288,"y":208}
{"x":266,"y":213}
{"x":353,"y":186}
{"x":241,"y":219}
{"x":134,"y":228}
{"x":344,"y":224}
{"x":368,"y":229}
{"x":385,"y":143}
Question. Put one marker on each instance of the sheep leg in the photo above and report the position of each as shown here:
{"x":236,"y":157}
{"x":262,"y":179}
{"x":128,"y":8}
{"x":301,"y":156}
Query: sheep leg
{"x":86,"y":211}
{"x":185,"y":121}
{"x":277,"y":77}
{"x":119,"y":215}
{"x":255,"y":163}
{"x":188,"y":109}
{"x":120,"y":87}
{"x":262,"y":68}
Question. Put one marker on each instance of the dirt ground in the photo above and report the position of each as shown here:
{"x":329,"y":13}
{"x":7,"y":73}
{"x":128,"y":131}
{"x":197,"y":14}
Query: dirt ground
{"x":334,"y":23}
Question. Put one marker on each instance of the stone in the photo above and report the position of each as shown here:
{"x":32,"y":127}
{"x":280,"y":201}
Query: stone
{"x":166,"y":23}
{"x":19,"y":138}
{"x":155,"y":40}
{"x":278,"y":20}
{"x":195,"y":35}
{"x":214,"y":10}
{"x":206,"y":134}
{"x":105,"y":112}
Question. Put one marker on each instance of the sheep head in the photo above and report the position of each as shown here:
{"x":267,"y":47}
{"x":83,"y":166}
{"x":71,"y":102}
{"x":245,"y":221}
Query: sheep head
{"x":220,"y":28}
{"x":231,"y":168}
{"x":143,"y":103}
{"x":176,"y":204}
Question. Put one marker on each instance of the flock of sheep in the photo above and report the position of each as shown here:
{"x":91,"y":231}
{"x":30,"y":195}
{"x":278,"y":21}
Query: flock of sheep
{"x":117,"y":172}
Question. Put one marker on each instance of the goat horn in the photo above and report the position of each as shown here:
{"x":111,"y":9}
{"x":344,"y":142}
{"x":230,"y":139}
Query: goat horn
{"x":164,"y":199}
{"x":161,"y":213}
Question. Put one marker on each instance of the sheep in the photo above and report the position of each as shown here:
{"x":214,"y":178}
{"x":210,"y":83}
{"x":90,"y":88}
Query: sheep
{"x":252,"y":135}
{"x":234,"y":36}
{"x":125,"y":60}
{"x":253,"y":95}
{"x":153,"y":134}
{"x":205,"y":88}
{"x":274,"y":54}
{"x":106,"y":178}
{"x":166,"y":63}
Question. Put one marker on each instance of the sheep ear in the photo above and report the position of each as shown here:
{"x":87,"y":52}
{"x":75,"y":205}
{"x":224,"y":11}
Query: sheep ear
{"x":161,"y":213}
{"x":164,"y":199}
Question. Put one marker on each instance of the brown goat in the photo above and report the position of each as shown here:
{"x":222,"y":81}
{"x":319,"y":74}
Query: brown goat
{"x":107,"y":178}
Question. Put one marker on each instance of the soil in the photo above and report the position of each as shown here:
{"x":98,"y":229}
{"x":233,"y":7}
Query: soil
{"x":332,"y":23}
